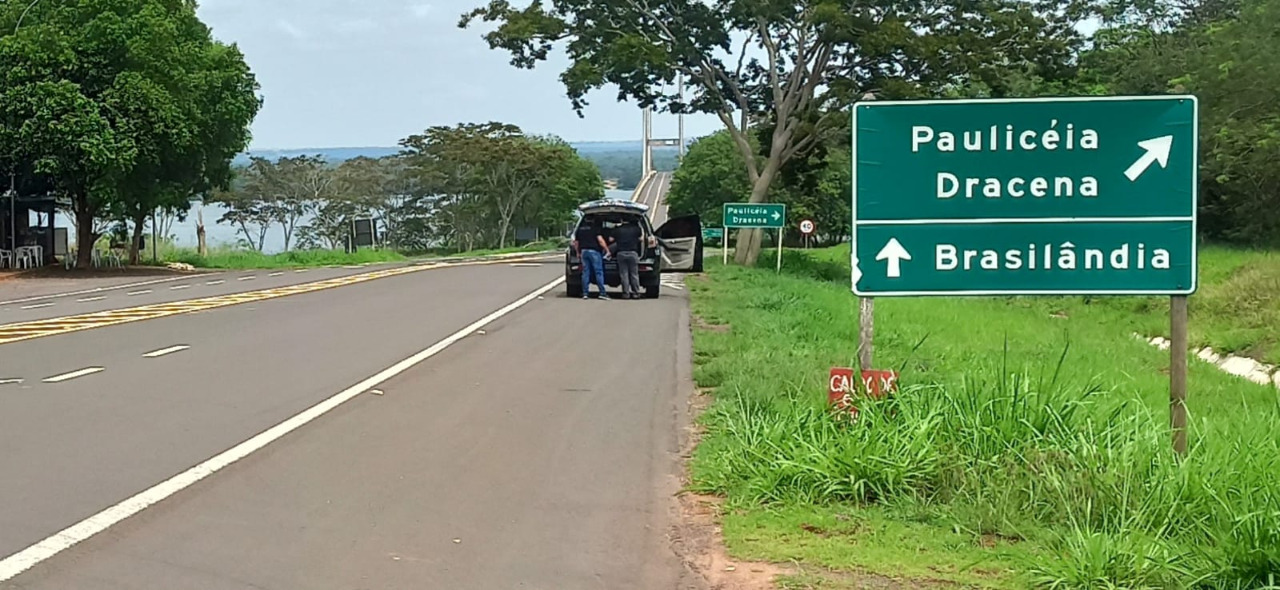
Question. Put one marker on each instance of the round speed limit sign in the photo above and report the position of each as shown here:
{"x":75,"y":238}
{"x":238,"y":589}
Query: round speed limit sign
{"x":806,"y":227}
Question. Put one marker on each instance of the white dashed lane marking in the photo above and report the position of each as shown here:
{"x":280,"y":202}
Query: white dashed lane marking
{"x":178,"y":287}
{"x":136,"y":293}
{"x":37,"y":306}
{"x":74,"y":374}
{"x":88,"y":299}
{"x":164,"y":351}
{"x":215,"y":282}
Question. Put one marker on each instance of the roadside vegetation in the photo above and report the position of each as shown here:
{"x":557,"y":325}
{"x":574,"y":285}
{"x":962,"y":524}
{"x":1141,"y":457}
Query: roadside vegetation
{"x":238,"y":259}
{"x":1029,"y":443}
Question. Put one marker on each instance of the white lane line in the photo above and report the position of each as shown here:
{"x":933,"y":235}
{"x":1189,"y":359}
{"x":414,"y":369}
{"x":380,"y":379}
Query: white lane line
{"x":37,"y":305}
{"x":74,"y":374}
{"x":88,"y":299}
{"x":10,"y":381}
{"x":164,"y":351}
{"x":275,"y":274}
{"x":525,"y":264}
{"x":215,"y":282}
{"x":248,"y":278}
{"x":142,"y":292}
{"x":302,"y":270}
{"x":100,"y":289}
{"x":23,"y":560}
{"x":175,"y":288}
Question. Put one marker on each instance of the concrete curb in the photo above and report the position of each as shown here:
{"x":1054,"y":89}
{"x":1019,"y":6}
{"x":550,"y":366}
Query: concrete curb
{"x":1260,"y":373}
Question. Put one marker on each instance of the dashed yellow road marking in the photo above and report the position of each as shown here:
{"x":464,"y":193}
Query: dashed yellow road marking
{"x":75,"y":323}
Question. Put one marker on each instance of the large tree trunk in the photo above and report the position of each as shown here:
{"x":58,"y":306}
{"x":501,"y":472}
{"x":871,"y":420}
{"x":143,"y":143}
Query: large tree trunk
{"x":85,"y":238}
{"x":202,"y":247}
{"x":747,"y":249}
{"x":138,"y":221}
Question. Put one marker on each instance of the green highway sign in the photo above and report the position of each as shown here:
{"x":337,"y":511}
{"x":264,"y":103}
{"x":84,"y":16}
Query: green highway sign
{"x":1051,"y":196}
{"x":712,"y":233}
{"x":762,"y":215}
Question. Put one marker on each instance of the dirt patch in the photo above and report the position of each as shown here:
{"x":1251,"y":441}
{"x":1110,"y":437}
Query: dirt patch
{"x":698,"y":538}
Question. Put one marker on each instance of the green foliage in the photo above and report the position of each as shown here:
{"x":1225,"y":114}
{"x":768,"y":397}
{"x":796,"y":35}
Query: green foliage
{"x":251,"y":259}
{"x":480,"y":179}
{"x":793,"y":66}
{"x":123,"y":106}
{"x":813,"y":187}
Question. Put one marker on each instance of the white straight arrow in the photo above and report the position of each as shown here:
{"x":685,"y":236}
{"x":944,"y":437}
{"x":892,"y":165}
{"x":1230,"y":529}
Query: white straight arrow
{"x":1156,"y":151}
{"x":895,"y":254}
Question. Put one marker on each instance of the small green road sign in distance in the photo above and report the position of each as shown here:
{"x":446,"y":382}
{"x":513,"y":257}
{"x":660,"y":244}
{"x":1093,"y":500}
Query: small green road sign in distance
{"x":1080,"y":195}
{"x":762,"y":215}
{"x":712,"y":233}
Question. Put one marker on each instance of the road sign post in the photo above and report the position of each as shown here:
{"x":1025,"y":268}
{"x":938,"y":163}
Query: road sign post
{"x":755,"y":216}
{"x":1046,"y":196}
{"x":806,"y":229}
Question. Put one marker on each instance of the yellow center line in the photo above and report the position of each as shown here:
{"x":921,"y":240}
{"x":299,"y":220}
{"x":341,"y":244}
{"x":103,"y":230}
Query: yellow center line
{"x":101,"y":319}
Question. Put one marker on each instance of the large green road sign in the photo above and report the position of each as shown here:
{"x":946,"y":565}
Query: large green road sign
{"x":1088,"y":195}
{"x":747,"y":215}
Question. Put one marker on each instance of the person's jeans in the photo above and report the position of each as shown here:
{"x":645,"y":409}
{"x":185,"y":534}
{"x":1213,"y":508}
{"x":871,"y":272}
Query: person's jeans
{"x":629,"y":272}
{"x":592,"y":265}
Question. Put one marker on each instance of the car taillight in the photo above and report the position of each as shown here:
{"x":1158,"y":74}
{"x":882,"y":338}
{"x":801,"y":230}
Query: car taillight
{"x":646,"y":267}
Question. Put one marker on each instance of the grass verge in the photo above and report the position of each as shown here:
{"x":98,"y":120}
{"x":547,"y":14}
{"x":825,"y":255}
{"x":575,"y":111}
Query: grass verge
{"x":1235,"y":310}
{"x":1028,"y":446}
{"x":248,"y":259}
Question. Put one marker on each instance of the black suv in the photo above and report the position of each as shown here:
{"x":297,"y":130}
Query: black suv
{"x":674,"y":247}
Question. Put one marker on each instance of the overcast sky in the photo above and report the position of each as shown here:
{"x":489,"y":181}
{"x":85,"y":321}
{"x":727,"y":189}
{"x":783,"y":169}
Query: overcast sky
{"x":357,"y":73}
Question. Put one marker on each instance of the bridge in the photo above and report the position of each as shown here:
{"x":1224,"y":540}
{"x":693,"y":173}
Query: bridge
{"x":654,"y":185}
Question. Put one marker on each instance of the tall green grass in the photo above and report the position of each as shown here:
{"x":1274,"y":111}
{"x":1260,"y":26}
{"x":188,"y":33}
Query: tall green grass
{"x":1011,"y":422}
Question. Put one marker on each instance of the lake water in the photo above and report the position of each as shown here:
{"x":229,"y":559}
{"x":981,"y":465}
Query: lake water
{"x":184,"y":232}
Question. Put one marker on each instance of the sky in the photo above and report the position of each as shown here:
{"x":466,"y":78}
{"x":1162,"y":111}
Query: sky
{"x":359,"y":73}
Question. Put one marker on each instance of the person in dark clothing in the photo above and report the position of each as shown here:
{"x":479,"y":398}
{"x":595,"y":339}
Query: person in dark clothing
{"x":591,"y":250}
{"x":627,"y":239}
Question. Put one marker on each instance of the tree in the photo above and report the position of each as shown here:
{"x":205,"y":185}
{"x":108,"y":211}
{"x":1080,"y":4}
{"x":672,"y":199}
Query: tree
{"x":123,"y":105}
{"x":794,"y":64}
{"x":816,"y":186}
{"x":247,"y":213}
{"x":578,"y":182}
{"x":487,"y":174}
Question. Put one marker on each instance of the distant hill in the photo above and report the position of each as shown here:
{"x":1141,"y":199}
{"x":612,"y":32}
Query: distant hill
{"x":339,"y":154}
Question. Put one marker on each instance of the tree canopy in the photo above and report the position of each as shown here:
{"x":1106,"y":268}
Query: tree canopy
{"x":794,"y":67}
{"x":121,"y":106}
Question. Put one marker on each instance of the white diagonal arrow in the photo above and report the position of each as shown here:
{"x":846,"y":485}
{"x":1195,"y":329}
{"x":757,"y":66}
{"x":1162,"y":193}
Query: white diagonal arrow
{"x":895,"y":254}
{"x":1156,"y":150}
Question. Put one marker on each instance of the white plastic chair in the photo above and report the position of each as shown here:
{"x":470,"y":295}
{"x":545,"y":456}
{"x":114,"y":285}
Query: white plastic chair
{"x":26,"y":257}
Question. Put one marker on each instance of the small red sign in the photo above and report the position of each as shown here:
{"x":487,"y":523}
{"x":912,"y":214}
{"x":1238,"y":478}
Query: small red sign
{"x":841,"y":387}
{"x":879,"y":383}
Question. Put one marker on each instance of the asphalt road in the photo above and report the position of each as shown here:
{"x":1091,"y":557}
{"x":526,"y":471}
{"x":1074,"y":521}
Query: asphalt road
{"x":23,"y":300}
{"x":541,"y":453}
